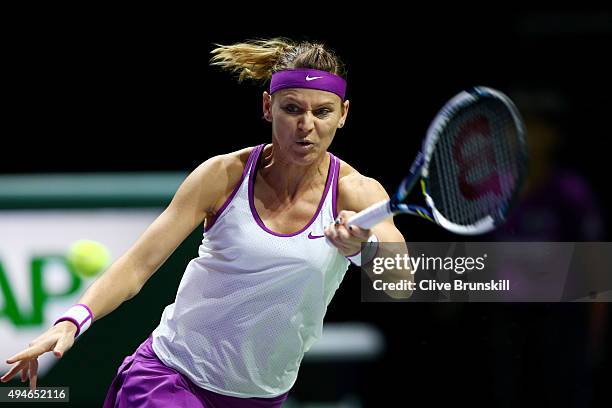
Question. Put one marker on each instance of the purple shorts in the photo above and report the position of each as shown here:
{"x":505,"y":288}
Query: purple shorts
{"x":144,"y":381}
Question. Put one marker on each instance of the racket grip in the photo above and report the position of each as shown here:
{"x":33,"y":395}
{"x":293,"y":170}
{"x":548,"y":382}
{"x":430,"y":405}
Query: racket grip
{"x":371,"y":216}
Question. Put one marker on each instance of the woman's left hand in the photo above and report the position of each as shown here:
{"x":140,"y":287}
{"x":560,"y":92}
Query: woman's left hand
{"x":347,"y":239}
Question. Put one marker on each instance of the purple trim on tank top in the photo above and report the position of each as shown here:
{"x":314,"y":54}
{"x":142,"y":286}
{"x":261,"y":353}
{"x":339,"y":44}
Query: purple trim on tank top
{"x":231,"y":196}
{"x":252,"y":174}
{"x":335,"y":187}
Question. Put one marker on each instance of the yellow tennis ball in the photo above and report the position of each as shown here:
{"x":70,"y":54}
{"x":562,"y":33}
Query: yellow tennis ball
{"x":88,"y":258}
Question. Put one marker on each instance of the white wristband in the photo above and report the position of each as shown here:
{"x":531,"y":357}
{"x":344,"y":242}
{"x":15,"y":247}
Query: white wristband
{"x":80,"y":315}
{"x":369,"y":253}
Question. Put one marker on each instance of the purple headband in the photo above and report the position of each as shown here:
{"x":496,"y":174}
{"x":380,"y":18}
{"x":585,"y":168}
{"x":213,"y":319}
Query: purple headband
{"x":308,"y":78}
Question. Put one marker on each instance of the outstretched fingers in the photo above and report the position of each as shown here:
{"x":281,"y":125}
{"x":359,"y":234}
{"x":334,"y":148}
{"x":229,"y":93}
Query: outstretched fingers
{"x":14,"y":370}
{"x":63,"y":343}
{"x":33,"y":373}
{"x":29,"y":353}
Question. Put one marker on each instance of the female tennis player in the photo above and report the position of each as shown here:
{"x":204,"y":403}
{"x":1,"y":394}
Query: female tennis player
{"x":274,"y":251}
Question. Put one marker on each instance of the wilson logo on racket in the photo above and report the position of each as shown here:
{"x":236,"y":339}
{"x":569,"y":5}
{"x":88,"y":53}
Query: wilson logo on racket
{"x":474,"y":153}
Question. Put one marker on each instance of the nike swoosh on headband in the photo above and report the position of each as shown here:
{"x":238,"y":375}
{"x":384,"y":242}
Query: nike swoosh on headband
{"x":310,"y":236}
{"x":308,"y":78}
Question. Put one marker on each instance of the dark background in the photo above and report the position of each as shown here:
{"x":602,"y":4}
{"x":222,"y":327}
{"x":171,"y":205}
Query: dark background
{"x":135,"y":93}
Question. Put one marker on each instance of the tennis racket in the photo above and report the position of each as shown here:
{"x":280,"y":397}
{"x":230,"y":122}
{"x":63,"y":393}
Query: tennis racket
{"x":471,"y":165}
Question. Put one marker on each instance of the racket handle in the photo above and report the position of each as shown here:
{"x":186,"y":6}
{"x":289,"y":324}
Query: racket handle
{"x":371,"y":216}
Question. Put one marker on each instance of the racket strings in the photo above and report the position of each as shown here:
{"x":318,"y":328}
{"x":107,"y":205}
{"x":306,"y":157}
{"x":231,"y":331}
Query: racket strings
{"x":476,"y":163}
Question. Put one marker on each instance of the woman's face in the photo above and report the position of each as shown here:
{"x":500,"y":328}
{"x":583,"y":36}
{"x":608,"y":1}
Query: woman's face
{"x":304,"y":121}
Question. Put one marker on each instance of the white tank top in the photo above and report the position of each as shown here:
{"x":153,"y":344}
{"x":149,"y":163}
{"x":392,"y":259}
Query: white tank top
{"x":253,"y":301}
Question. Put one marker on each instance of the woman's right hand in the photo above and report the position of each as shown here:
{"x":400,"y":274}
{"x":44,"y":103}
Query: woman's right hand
{"x":58,"y":339}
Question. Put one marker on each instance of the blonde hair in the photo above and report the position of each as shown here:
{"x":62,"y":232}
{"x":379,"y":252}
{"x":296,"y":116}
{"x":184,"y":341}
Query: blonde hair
{"x":259,"y":59}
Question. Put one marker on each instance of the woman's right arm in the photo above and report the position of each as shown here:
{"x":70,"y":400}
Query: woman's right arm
{"x":127,"y":275}
{"x":197,"y":197}
{"x":193,"y":201}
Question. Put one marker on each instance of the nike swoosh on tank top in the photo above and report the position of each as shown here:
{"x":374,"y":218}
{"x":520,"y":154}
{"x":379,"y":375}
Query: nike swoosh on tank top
{"x":253,"y":301}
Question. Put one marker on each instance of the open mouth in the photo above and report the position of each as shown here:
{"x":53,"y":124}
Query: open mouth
{"x":304,"y":143}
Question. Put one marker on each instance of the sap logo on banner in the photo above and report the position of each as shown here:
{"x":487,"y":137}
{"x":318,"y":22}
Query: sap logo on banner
{"x":36,"y":284}
{"x":40,"y":293}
